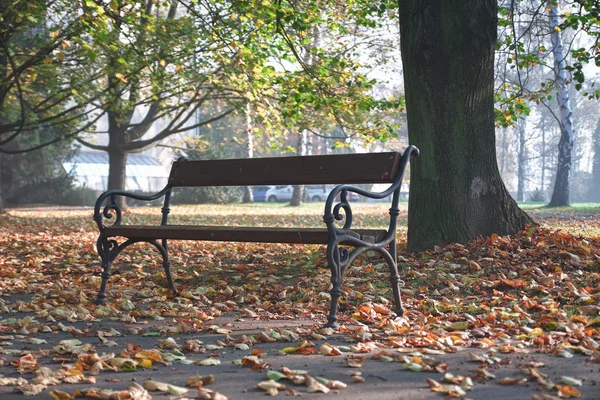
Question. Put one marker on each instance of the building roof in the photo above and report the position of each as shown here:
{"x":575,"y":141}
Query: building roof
{"x":89,"y":157}
{"x":87,"y":163}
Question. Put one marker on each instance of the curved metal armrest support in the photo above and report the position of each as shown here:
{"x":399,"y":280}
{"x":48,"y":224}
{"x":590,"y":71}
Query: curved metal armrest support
{"x":113,"y":208}
{"x":333,"y":213}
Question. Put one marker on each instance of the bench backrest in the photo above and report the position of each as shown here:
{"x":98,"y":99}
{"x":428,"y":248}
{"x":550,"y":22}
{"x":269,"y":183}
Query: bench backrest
{"x":345,"y":168}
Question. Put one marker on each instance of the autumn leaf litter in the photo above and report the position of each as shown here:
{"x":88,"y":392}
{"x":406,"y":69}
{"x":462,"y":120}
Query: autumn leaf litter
{"x":538,"y":291}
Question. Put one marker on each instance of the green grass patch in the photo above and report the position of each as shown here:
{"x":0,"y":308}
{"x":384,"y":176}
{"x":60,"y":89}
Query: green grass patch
{"x":575,"y":208}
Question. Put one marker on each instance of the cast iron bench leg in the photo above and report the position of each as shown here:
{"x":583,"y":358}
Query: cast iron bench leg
{"x":167,"y":266}
{"x":337,"y":259}
{"x":104,"y":247}
{"x":395,"y":278}
{"x":335,"y":292}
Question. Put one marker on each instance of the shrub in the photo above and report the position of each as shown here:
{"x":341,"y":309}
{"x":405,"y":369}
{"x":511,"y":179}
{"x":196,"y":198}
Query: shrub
{"x":537,"y":196}
{"x":208,"y":194}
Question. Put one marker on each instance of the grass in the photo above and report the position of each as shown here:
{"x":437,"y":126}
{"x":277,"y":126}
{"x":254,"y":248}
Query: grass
{"x":574,"y":208}
{"x":579,"y":219}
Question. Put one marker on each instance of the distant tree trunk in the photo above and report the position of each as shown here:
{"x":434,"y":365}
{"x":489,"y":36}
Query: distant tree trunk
{"x":456,"y":192}
{"x":3,"y":93}
{"x":248,"y":195}
{"x":1,"y":202}
{"x":560,"y":194}
{"x":594,"y":190}
{"x":117,"y":167}
{"x":543,"y":183}
{"x":521,"y":162}
{"x":299,"y":190}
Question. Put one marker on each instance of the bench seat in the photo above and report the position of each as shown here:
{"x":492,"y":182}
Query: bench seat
{"x":237,"y":233}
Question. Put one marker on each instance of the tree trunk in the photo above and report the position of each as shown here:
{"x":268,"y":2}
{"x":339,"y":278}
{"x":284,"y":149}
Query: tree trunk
{"x":299,"y":190}
{"x":456,"y":192}
{"x":594,"y":190}
{"x":117,"y":168}
{"x":505,"y":153}
{"x":521,"y":162}
{"x":248,"y":195}
{"x":3,"y":71}
{"x":560,"y":194}
{"x":543,"y":183}
{"x":1,"y":202}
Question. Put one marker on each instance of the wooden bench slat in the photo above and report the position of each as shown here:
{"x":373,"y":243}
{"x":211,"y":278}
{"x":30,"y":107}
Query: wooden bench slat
{"x":236,"y":233}
{"x":344,"y":168}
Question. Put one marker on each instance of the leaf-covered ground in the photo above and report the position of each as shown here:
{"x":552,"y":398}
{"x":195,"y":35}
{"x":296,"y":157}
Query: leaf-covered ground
{"x":504,"y":317}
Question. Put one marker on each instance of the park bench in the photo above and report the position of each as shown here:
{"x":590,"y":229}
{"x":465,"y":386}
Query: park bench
{"x":344,"y":170}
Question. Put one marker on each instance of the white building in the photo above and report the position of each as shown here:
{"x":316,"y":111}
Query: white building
{"x":144,"y":173}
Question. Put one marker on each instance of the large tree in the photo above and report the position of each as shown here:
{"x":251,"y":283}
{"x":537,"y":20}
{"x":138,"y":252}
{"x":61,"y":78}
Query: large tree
{"x":448,"y":57}
{"x":154,"y":68}
{"x":560,"y":194}
{"x":594,"y":190}
{"x":39,"y":102}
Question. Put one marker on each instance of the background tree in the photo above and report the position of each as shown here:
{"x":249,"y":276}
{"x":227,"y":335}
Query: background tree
{"x":594,"y":189}
{"x":531,"y":71}
{"x":39,"y":105}
{"x":560,"y":194}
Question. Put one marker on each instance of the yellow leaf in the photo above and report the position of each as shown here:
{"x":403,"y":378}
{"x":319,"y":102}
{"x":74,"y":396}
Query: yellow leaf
{"x":58,"y":395}
{"x":121,"y":77}
{"x":152,"y":355}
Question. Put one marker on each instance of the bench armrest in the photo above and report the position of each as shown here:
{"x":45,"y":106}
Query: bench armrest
{"x":332,"y":213}
{"x":112,"y":208}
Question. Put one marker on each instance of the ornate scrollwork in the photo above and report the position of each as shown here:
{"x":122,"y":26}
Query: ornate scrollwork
{"x":112,"y":209}
{"x":107,"y":249}
{"x":341,"y":256}
{"x":347,"y":211}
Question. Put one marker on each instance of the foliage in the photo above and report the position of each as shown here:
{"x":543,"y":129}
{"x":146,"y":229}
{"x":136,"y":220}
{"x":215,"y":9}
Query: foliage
{"x":209,"y":194}
{"x":37,"y":177}
{"x":538,"y":195}
{"x":37,"y":92}
{"x":523,"y":48}
{"x":580,"y":186}
{"x":584,"y":15}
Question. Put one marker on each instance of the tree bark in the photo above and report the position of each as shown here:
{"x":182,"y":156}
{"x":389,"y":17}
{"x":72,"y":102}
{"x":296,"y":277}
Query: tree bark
{"x":300,"y":190}
{"x":248,"y":195}
{"x":521,"y":162}
{"x":117,"y":178}
{"x":560,"y":193}
{"x":594,"y":190}
{"x":543,"y":183}
{"x":456,"y":192}
{"x":504,"y":148}
{"x":1,"y":202}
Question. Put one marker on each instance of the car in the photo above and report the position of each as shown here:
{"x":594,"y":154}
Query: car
{"x":279,"y":193}
{"x":260,"y":192}
{"x":313,"y":193}
{"x":321,"y":192}
{"x":317,"y":192}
